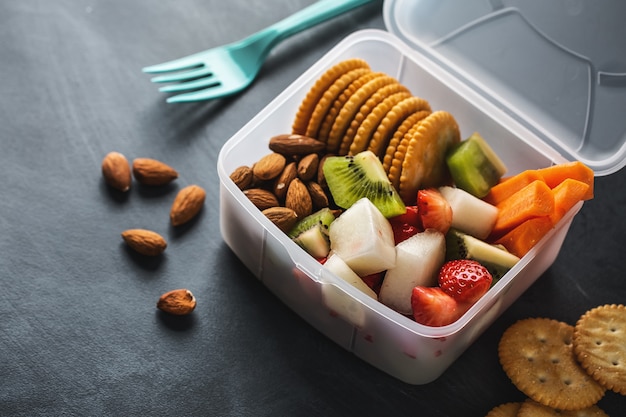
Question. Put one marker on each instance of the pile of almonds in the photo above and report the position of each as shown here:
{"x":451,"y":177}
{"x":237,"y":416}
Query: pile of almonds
{"x":116,"y":171}
{"x":288,"y":183}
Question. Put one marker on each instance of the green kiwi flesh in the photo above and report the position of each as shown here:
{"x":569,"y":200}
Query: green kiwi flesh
{"x":311,"y":233}
{"x":322,"y":218}
{"x":351,"y":178}
{"x":474,"y":166}
{"x":497,"y":260}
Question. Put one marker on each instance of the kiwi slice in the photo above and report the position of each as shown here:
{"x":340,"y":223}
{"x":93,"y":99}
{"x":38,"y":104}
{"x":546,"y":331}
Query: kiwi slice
{"x":496,"y":259}
{"x":321,"y":218}
{"x":350,"y":178}
{"x":311,"y":233}
{"x":474,"y":166}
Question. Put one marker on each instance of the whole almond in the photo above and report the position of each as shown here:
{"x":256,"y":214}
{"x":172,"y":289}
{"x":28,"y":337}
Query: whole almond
{"x":293,"y":144}
{"x":269,"y":166}
{"x":318,"y":196}
{"x":242,"y":177}
{"x":307,"y":167}
{"x":283,"y":217}
{"x":152,"y":172}
{"x":321,"y":180}
{"x":116,"y":171}
{"x":187,"y":204}
{"x":178,"y":302}
{"x":284,"y":179}
{"x":144,"y":241}
{"x":298,"y":198}
{"x":261,"y":198}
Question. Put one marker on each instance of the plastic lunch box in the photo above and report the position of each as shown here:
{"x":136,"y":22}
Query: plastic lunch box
{"x":540,"y":93}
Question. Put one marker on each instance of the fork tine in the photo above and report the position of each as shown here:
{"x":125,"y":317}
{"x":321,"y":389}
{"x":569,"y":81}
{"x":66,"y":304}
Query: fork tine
{"x":191,"y":85}
{"x":182,"y":76}
{"x":188,"y":62}
{"x":209,"y":93}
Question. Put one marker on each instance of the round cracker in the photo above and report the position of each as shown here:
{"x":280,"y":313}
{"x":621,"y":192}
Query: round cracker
{"x":367,"y":127}
{"x":370,"y":104}
{"x":327,"y":124}
{"x":393,"y":119}
{"x":397,"y":136}
{"x":424,"y":164}
{"x":328,"y":98}
{"x":532,"y":408}
{"x":352,"y":107}
{"x":395,"y":168}
{"x":309,"y":102}
{"x":537,"y":356}
{"x":600,"y":345}
{"x":505,"y":410}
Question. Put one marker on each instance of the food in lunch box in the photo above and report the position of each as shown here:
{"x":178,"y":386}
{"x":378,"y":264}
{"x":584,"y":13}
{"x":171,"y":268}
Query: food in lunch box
{"x":474,"y":166}
{"x":352,"y":177}
{"x":465,"y":280}
{"x":312,"y":232}
{"x":417,"y":262}
{"x":434,"y":210}
{"x":374,"y":179}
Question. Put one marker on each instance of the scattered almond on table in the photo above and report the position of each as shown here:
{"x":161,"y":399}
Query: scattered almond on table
{"x":177,"y":302}
{"x":118,"y":173}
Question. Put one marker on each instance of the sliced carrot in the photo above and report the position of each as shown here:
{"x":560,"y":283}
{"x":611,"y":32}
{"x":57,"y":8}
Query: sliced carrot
{"x":507,"y":187}
{"x":566,"y":195}
{"x":556,"y":174}
{"x":526,"y":235}
{"x":534,"y":200}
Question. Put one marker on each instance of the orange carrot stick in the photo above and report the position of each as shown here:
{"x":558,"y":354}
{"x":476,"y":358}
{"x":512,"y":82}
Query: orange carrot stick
{"x":566,"y":195}
{"x":556,"y":174}
{"x":511,"y":185}
{"x":534,"y":200}
{"x":526,"y":235}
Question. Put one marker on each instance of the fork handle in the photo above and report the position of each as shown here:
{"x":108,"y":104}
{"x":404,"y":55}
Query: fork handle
{"x":311,"y":16}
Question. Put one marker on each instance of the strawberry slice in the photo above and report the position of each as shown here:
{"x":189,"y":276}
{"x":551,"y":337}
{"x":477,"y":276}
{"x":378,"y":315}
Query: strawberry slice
{"x":465,"y":280}
{"x":374,"y":281}
{"x":433,"y":307}
{"x":403,"y":231}
{"x":410,"y":216}
{"x":406,"y":225}
{"x":434,"y":210}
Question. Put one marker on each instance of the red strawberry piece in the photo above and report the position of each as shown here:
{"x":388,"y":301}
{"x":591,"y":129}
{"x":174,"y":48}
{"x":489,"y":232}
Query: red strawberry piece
{"x":374,"y":281}
{"x":410,"y":216}
{"x":403,"y":231}
{"x":465,"y":280}
{"x":406,"y":225}
{"x":433,"y":307}
{"x":434,"y":210}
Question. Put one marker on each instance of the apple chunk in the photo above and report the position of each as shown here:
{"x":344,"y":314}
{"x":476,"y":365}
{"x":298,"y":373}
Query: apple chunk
{"x":418,"y":260}
{"x":337,"y":266}
{"x":363,"y":238}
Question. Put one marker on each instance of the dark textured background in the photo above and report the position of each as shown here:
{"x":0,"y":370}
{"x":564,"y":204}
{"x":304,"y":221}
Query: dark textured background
{"x":79,"y":331}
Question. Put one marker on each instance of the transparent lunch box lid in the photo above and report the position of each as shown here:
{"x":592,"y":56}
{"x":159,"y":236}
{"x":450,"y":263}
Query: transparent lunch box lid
{"x":556,"y":67}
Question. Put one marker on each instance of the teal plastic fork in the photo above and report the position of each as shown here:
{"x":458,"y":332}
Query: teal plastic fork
{"x":229,"y":69}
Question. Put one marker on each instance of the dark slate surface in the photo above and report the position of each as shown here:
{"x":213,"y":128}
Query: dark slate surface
{"x":79,"y":331}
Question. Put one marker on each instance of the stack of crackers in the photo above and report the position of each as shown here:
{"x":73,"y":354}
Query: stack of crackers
{"x":352,"y":109}
{"x":565,"y":370}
